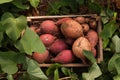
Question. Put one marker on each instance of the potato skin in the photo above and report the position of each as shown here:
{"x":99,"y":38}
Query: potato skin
{"x":79,"y":45}
{"x":48,"y":27}
{"x":40,"y":57}
{"x":92,"y":36}
{"x":71,"y":29}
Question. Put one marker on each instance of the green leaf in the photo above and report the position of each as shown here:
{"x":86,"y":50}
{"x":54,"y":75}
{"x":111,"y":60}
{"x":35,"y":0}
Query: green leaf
{"x":1,"y":37}
{"x":5,"y":1}
{"x":30,"y":42}
{"x":105,"y":42}
{"x":94,"y":7}
{"x":6,"y":15}
{"x":114,"y":63}
{"x":7,"y":57}
{"x":105,"y":18}
{"x":20,"y":4}
{"x":80,"y":2}
{"x":117,"y":77}
{"x":109,"y":29}
{"x":35,"y":70}
{"x":21,"y":58}
{"x":10,"y":68}
{"x":10,"y":77}
{"x":56,"y":74}
{"x":93,"y":73}
{"x":65,"y":71}
{"x":14,"y":26}
{"x":54,"y":7}
{"x":116,"y":42}
{"x":8,"y":62}
{"x":34,"y":3}
{"x":89,"y":55}
{"x":117,"y":65}
{"x":52,"y":68}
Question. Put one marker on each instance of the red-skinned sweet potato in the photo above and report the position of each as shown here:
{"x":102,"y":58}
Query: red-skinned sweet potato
{"x":47,"y":39}
{"x":92,"y":36}
{"x":40,"y":57}
{"x":49,"y":27}
{"x":58,"y":46}
{"x":65,"y":56}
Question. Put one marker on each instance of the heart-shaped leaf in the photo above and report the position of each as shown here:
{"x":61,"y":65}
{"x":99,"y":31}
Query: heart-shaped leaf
{"x":109,"y":29}
{"x":30,"y":42}
{"x":113,"y":64}
{"x":93,"y":73}
{"x":14,"y":26}
{"x":35,"y":70}
{"x":10,"y":68}
{"x":20,"y":4}
{"x":34,"y":3}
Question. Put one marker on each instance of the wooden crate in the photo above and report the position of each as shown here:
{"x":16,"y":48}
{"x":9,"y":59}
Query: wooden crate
{"x":39,"y":19}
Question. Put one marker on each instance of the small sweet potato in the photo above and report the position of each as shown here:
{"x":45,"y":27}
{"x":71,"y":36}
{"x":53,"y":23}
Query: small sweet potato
{"x":47,"y":39}
{"x":92,"y":36}
{"x":71,"y":29}
{"x":85,"y":27}
{"x":80,"y":19}
{"x":40,"y":57}
{"x":93,"y":23}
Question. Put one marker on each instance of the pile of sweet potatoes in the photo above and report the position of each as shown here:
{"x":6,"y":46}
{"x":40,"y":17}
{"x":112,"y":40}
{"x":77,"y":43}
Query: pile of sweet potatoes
{"x":66,"y":38}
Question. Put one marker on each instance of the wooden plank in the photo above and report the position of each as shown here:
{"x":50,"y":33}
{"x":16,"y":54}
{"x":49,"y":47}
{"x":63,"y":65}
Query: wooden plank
{"x":66,"y":65}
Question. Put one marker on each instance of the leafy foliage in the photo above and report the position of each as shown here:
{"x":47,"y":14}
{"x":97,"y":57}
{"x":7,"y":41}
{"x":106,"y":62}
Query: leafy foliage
{"x":33,"y":44}
{"x":108,"y":31}
{"x":94,"y":70}
{"x":34,"y":3}
{"x":93,"y":73}
{"x":15,"y":45}
{"x":34,"y":70}
{"x":5,"y":1}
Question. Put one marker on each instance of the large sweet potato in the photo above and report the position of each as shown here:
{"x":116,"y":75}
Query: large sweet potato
{"x":71,"y":29}
{"x":79,"y":45}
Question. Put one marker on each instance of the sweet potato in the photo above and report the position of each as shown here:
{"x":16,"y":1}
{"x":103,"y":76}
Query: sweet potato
{"x":79,"y":45}
{"x":40,"y":57}
{"x":47,"y":39}
{"x":80,"y":19}
{"x":94,"y":51}
{"x":85,"y":27}
{"x":65,"y":56}
{"x":92,"y":36}
{"x":60,"y":21}
{"x":49,"y":27}
{"x":93,"y":23}
{"x":71,"y":29}
{"x":58,"y":46}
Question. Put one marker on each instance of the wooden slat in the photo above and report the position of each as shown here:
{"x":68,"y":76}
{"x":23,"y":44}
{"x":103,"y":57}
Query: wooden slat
{"x":66,"y":65}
